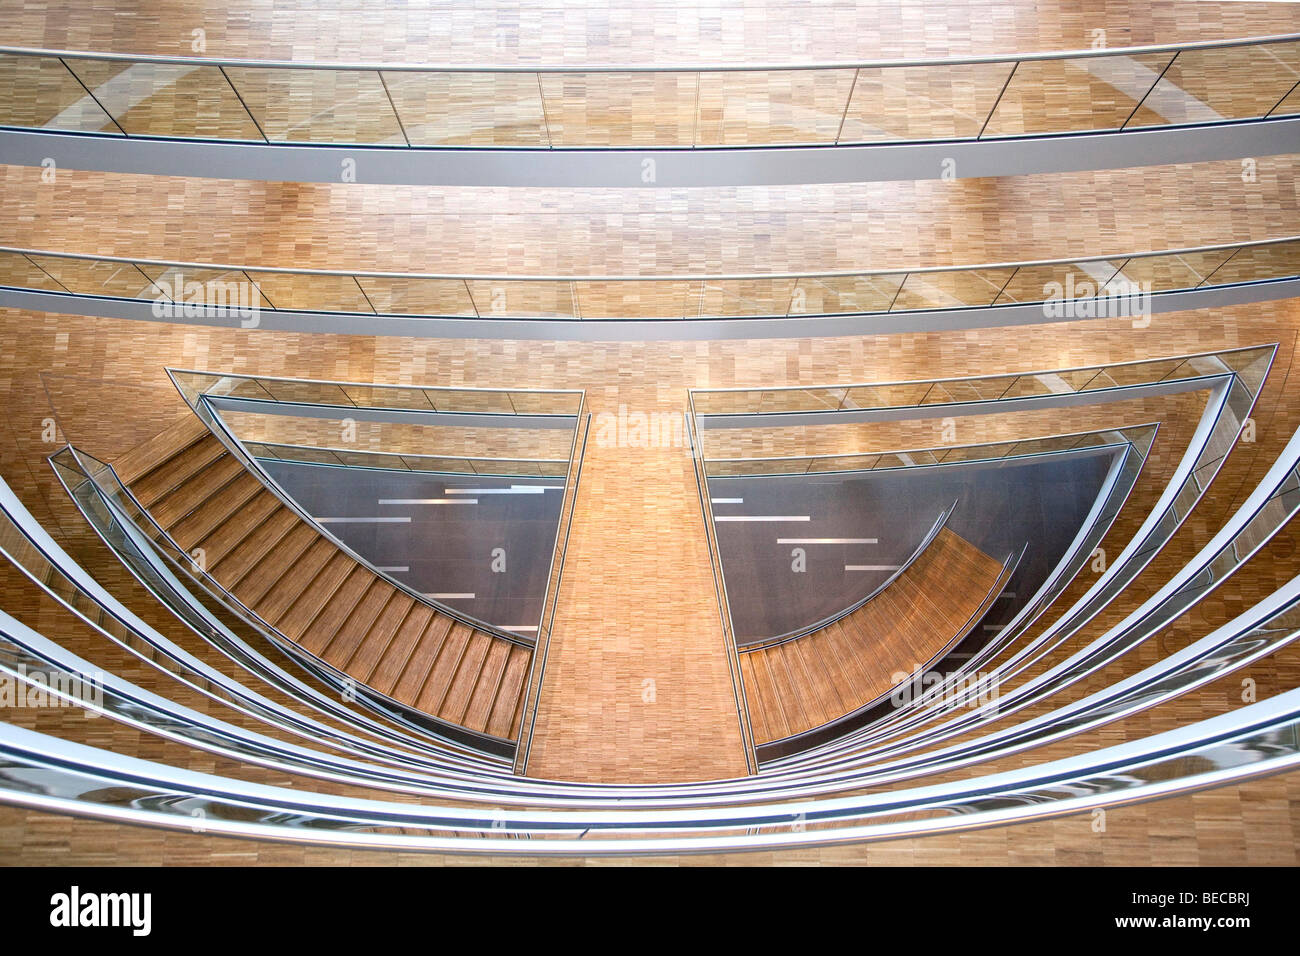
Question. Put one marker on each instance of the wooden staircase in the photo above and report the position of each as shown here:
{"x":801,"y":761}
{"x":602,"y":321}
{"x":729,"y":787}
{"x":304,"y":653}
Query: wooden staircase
{"x":318,"y":596}
{"x":816,"y":679}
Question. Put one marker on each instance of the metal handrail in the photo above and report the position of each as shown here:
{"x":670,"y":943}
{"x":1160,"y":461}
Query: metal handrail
{"x":215,"y":633}
{"x":1287,"y":462}
{"x":929,"y":450}
{"x":1246,"y":743}
{"x":838,"y":725}
{"x":660,"y":277}
{"x":1220,"y":418}
{"x":1126,"y":363}
{"x":388,"y":67}
{"x":546,"y":621}
{"x":383,"y":386}
{"x":1174,"y":598}
{"x":730,"y":644}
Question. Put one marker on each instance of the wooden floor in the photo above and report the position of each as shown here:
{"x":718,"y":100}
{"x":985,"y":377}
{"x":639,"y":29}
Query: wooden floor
{"x":637,"y":686}
{"x":637,"y":663}
{"x":797,"y":685}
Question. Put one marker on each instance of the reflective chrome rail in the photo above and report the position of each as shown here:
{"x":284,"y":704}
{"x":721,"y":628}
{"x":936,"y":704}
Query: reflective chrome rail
{"x":1115,"y":285}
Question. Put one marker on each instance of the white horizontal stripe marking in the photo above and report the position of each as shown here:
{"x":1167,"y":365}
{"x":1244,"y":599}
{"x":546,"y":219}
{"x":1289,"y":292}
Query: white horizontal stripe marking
{"x":727,"y":501}
{"x":518,"y":627}
{"x":403,"y":520}
{"x":448,"y":595}
{"x":828,"y":541}
{"x":395,"y":569}
{"x":512,"y":490}
{"x":872,"y":567}
{"x":762,"y":518}
{"x":428,"y":501}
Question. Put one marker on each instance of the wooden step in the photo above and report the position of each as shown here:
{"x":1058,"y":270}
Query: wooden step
{"x":382,"y":636}
{"x":304,"y":585}
{"x":143,"y":458}
{"x":509,"y":695}
{"x":333,"y":614}
{"x":822,"y":676}
{"x":431,"y":669}
{"x":191,"y":495}
{"x":238,"y":528}
{"x":245,"y":555}
{"x":341,"y":645}
{"x":388,"y":670}
{"x":278,"y":561}
{"x":456,"y":700}
{"x":484,"y":693}
{"x":310,"y":580}
{"x":175,"y":471}
{"x":218,"y":509}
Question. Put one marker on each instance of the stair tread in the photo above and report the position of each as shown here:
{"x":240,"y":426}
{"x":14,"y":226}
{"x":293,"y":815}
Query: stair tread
{"x":151,"y":453}
{"x":501,"y":718}
{"x":175,"y":505}
{"x":483,"y":695}
{"x":356,"y":625}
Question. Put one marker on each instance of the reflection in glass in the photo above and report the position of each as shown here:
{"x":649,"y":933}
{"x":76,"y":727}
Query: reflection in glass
{"x":750,"y":107}
{"x":318,"y":106}
{"x":99,"y":277}
{"x":922,"y":102}
{"x":1087,"y":93}
{"x":525,"y":299}
{"x":619,"y":109}
{"x":41,"y":93}
{"x":951,"y":290}
{"x":1208,"y":86}
{"x":325,"y":293}
{"x":468,"y":109}
{"x":155,"y":99}
{"x":414,"y":296}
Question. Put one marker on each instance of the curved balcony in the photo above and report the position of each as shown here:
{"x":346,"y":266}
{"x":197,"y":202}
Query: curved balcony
{"x":1132,"y":285}
{"x":517,"y":125}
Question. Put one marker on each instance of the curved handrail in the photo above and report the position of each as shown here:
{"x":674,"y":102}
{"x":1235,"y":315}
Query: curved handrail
{"x":702,"y":67}
{"x":155,"y":570}
{"x":403,"y":120}
{"x":493,"y":745}
{"x":271,"y":451}
{"x":173,"y":659}
{"x":767,"y":392}
{"x":1285,"y":467}
{"x":51,"y":774}
{"x":1220,"y":420}
{"x":632,"y":277}
{"x":933,"y":450}
{"x":1091,"y":286}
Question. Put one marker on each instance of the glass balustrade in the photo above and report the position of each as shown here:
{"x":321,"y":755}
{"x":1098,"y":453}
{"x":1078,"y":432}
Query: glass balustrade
{"x":703,"y":106}
{"x":1108,"y":286}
